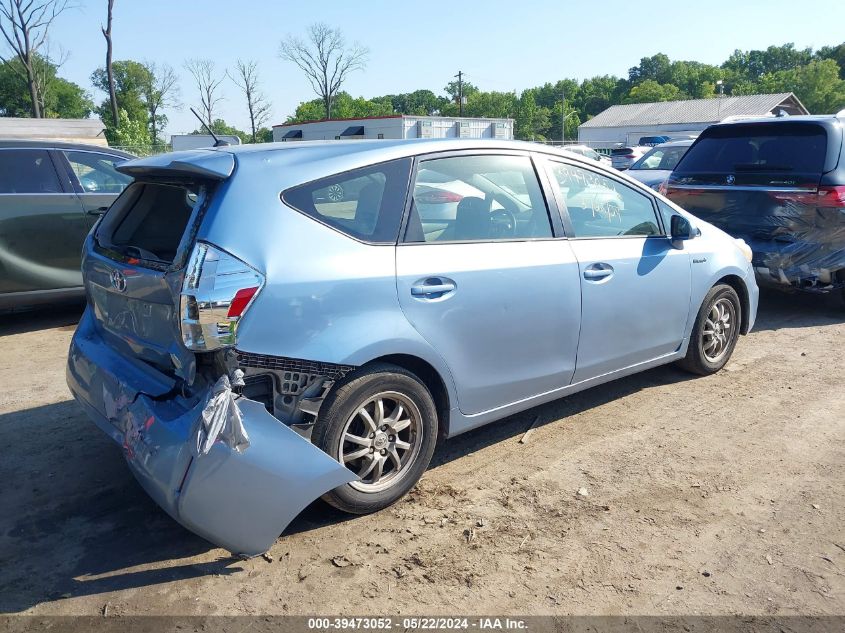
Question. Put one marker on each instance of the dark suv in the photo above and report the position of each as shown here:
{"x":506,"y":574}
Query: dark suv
{"x":779,"y":184}
{"x":51,"y":194}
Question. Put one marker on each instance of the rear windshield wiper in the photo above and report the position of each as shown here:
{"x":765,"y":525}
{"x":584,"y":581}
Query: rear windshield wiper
{"x":758,"y":167}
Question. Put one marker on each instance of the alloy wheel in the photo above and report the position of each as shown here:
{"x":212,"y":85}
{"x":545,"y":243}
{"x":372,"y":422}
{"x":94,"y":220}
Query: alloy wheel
{"x":718,"y":330}
{"x":380,"y":440}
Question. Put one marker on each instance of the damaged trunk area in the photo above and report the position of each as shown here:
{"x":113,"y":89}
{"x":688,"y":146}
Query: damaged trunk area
{"x":218,"y":438}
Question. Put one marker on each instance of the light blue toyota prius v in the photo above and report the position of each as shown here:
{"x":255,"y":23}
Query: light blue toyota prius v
{"x":270,"y":324}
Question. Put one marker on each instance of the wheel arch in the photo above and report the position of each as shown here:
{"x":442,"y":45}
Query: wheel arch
{"x":736,"y":282}
{"x":430,"y":377}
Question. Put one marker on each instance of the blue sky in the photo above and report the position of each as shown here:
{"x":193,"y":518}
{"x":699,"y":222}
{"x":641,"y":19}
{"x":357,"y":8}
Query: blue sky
{"x":500,"y":45}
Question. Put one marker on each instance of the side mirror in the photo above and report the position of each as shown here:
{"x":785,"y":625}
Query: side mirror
{"x":681,"y":229}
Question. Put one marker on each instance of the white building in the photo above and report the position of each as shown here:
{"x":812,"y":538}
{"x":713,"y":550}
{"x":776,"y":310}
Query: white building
{"x":626,"y":124}
{"x":90,"y":131}
{"x":394,"y":126}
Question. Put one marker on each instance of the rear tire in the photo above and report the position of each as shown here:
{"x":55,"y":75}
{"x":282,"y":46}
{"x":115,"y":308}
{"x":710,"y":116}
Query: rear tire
{"x":382,"y":425}
{"x":715,"y":332}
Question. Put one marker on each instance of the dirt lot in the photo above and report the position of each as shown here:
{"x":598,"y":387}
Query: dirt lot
{"x":714,"y":495}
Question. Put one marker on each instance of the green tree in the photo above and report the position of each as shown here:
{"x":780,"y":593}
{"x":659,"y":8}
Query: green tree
{"x":649,"y":91}
{"x":419,"y":102}
{"x":130,"y":134}
{"x":220,"y":127}
{"x":129,"y":79}
{"x":657,"y":68}
{"x":754,"y":64}
{"x":60,"y":98}
{"x":816,"y":84}
{"x":836,"y":53}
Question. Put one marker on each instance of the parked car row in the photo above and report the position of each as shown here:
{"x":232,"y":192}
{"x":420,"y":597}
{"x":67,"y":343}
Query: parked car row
{"x":51,"y":194}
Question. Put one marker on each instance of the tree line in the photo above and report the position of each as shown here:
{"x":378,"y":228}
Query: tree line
{"x":816,"y":77}
{"x":139,"y":93}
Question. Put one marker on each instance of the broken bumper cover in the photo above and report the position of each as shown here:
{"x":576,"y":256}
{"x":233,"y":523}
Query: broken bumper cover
{"x":241,"y":501}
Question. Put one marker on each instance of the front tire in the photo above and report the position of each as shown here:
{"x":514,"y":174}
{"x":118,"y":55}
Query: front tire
{"x":382,"y":425}
{"x":715,"y":332}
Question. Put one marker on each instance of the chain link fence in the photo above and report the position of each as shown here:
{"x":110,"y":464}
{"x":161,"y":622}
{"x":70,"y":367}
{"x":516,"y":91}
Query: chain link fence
{"x":144,"y":150}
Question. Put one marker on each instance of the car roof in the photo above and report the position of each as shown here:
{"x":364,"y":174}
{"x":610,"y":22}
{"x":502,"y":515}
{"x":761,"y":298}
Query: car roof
{"x":350,"y":152}
{"x":43,"y":144}
{"x":791,"y":118}
{"x":684,"y":142}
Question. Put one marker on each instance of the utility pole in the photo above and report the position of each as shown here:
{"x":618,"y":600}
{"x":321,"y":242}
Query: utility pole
{"x":460,"y":77}
{"x":562,"y":117}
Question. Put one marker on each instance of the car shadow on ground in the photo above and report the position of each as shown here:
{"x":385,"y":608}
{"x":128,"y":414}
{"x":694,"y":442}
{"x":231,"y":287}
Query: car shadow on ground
{"x":44,"y":318}
{"x":779,"y":310}
{"x":80,"y":525}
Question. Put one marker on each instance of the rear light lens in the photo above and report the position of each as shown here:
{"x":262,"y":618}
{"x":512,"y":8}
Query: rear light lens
{"x":217,"y":291}
{"x":663,"y":188}
{"x":437,"y":196}
{"x":824,"y":197}
{"x":831,"y":197}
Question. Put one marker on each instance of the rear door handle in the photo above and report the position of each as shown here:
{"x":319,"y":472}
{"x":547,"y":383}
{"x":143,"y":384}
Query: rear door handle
{"x":432,"y":287}
{"x":595,"y":272}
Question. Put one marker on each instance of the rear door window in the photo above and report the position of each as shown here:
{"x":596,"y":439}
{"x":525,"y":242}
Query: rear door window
{"x":28,"y":171}
{"x":366,"y":203}
{"x":778,"y":150}
{"x":96,"y":172}
{"x":477,"y":198}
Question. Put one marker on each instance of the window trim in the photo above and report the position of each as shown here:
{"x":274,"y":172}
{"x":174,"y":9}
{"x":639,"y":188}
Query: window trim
{"x":539,"y":173}
{"x":565,"y":212}
{"x":317,"y":218}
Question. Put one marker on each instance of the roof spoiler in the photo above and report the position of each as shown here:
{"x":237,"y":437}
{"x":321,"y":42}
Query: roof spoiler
{"x":200,"y":163}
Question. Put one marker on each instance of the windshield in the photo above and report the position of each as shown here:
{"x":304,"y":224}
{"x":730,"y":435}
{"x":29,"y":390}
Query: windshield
{"x":661,"y":158}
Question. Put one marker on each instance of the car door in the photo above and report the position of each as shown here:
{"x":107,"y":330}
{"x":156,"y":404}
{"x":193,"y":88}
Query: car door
{"x":95,"y":179}
{"x":42,"y":225}
{"x":494,"y":292}
{"x":635,"y":285}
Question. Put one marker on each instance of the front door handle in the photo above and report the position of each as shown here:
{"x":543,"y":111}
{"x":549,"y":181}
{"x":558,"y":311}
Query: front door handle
{"x":596,"y":272}
{"x":432,"y":288}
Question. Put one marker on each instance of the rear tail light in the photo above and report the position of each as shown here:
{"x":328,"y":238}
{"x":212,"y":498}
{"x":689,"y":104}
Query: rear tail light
{"x":437,"y":196}
{"x":824,"y":197}
{"x":663,"y":188}
{"x":217,"y":291}
{"x":831,"y":197}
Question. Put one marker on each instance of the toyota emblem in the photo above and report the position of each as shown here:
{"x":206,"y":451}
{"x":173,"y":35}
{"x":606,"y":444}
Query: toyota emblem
{"x":730,"y":179}
{"x":118,"y":281}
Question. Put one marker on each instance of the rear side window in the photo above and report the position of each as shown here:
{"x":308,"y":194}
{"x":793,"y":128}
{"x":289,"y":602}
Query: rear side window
{"x":366,"y":203}
{"x":27,"y":171}
{"x":780,"y":148}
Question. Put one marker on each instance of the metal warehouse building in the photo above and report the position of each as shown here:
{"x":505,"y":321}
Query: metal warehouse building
{"x":394,"y":126}
{"x":627,"y":123}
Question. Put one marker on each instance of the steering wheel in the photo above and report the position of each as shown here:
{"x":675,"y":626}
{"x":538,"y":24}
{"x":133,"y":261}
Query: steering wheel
{"x":502,"y":224}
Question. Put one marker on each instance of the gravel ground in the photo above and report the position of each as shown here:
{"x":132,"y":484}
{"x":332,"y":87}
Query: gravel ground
{"x":716,"y":495}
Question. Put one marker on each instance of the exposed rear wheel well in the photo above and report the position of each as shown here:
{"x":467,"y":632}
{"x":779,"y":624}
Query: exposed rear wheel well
{"x":742,"y":292}
{"x":430,"y":377}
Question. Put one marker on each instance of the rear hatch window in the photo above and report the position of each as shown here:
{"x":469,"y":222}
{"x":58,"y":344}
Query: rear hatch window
{"x":134,"y":273}
{"x":149,"y":220}
{"x":621,"y":151}
{"x":767,"y":155}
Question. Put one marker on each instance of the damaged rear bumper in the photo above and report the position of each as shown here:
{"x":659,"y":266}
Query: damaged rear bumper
{"x":241,"y":500}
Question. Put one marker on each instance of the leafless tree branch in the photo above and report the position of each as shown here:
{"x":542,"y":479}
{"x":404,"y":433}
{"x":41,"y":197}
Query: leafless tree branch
{"x":246,"y":78}
{"x":25,"y":25}
{"x":208,"y":85}
{"x":325,"y":59}
{"x":160,"y":90}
